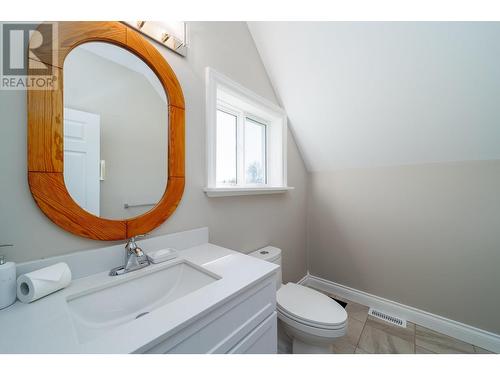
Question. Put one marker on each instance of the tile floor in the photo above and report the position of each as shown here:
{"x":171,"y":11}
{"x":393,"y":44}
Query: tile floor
{"x":369,"y":335}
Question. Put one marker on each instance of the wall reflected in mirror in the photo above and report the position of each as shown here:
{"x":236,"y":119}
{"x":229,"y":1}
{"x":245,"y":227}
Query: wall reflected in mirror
{"x":115,"y":131}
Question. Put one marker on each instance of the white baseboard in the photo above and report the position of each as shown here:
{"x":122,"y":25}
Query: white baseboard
{"x":461,"y":331}
{"x":304,"y":279}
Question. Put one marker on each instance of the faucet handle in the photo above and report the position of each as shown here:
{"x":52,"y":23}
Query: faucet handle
{"x":132,"y":247}
{"x":137,"y":236}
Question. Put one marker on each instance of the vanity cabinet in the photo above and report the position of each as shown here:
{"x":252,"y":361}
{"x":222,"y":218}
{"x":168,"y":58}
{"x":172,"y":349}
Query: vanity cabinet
{"x":246,"y":323}
{"x":262,"y":340}
{"x":208,"y":300}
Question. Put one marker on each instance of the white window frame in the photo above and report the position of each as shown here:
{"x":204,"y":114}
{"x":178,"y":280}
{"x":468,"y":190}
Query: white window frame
{"x":229,"y":96}
{"x":241,"y":118}
{"x":266,"y":124}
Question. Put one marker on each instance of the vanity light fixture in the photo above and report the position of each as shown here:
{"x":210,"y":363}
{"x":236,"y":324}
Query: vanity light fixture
{"x":172,"y":34}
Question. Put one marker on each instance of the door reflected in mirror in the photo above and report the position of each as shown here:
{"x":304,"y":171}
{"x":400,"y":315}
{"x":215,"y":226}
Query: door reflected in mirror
{"x":115,"y":131}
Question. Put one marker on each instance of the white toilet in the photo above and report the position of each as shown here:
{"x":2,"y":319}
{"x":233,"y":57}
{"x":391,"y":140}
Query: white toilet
{"x":312,"y":320}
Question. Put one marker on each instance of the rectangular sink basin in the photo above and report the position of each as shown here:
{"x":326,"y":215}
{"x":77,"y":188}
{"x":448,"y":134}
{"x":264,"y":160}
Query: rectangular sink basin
{"x":133,"y":295}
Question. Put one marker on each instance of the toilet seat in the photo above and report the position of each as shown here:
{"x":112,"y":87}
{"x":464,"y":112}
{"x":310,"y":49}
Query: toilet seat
{"x":309,"y":333}
{"x":300,"y":305}
{"x":297,"y":322}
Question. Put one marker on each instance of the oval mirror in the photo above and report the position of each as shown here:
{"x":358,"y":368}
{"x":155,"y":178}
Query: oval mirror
{"x":115,"y":131}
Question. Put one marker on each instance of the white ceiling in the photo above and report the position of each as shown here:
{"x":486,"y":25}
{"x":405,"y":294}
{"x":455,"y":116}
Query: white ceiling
{"x":376,"y":94}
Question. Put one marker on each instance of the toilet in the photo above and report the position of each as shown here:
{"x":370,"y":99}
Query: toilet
{"x":312,"y":320}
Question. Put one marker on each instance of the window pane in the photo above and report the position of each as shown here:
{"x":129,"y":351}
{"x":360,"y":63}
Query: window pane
{"x":225,"y":169}
{"x":255,"y":152}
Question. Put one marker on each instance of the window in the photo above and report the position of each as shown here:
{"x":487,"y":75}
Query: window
{"x":226,"y":169}
{"x":255,"y":152}
{"x":246,"y":164}
{"x":246,"y":140}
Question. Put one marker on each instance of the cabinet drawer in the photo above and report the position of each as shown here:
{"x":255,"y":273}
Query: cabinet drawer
{"x":262,"y":340}
{"x":223,"y":328}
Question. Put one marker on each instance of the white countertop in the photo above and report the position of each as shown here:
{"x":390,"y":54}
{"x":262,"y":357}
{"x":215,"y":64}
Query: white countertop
{"x":45,"y":326}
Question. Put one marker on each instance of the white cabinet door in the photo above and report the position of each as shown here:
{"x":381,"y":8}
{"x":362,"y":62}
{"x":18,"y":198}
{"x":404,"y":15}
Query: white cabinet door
{"x":245,"y":322}
{"x":82,"y":154}
{"x":262,"y":340}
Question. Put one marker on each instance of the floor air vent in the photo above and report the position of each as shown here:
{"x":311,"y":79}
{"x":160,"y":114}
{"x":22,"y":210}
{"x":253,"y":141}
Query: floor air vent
{"x":388,"y":318}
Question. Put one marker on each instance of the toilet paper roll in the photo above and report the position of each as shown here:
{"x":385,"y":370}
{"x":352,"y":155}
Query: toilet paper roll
{"x":37,"y":284}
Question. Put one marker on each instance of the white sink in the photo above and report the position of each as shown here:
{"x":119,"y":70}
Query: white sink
{"x":134,"y":295}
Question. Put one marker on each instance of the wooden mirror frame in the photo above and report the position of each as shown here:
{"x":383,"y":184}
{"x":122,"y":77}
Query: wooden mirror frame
{"x":45,"y":136}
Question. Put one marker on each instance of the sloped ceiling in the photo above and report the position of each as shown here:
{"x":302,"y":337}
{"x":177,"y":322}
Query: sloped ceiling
{"x":377,"y":94}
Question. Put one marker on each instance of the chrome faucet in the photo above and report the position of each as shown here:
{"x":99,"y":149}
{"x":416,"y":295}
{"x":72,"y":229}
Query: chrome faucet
{"x":135,"y":259}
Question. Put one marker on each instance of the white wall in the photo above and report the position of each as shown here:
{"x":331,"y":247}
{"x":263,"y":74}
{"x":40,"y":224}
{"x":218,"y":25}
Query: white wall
{"x":240,"y":223}
{"x":423,"y":235}
{"x":367,"y":94}
{"x":399,"y":123}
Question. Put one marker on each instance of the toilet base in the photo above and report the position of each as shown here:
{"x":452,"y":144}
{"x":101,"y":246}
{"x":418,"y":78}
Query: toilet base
{"x":303,"y":341}
{"x":284,"y":341}
{"x":299,"y":347}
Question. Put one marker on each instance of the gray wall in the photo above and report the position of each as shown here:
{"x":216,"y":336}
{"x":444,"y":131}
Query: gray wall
{"x":240,"y":223}
{"x":425,"y":235}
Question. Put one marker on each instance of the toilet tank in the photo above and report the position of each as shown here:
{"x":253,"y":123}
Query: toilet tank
{"x":270,"y":254}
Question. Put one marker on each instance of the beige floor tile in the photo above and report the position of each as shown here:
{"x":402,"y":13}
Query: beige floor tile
{"x":342,"y":347}
{"x":419,"y":350}
{"x":354,"y":328}
{"x":367,"y":334}
{"x":347,"y":343}
{"x":381,"y":337}
{"x":360,"y":351}
{"x":357,"y":311}
{"x":407,"y":332}
{"x":479,"y":350}
{"x":439,"y":343}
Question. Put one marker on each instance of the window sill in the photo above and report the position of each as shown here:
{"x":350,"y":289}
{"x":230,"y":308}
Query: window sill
{"x":228,"y":192}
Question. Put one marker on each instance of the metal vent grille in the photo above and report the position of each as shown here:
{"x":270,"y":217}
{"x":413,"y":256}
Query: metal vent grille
{"x":388,"y":318}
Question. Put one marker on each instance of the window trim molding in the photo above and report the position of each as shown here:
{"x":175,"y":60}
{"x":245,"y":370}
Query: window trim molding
{"x":213,"y":82}
{"x":233,"y":191}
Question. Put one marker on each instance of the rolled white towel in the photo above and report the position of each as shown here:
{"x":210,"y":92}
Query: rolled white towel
{"x":37,"y":284}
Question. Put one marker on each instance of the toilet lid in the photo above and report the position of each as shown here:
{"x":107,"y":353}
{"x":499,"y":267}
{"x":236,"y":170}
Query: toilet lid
{"x":310,"y":306}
